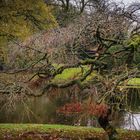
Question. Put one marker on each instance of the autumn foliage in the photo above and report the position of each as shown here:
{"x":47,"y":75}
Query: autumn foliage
{"x":91,"y":109}
{"x":71,"y":108}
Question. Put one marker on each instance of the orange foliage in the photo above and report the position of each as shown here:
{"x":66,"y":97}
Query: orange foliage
{"x":70,"y":108}
{"x":91,"y":109}
{"x":98,"y":109}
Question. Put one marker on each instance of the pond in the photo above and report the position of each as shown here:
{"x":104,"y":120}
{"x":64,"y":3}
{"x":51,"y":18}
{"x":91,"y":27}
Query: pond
{"x":131,"y":121}
{"x":43,"y":110}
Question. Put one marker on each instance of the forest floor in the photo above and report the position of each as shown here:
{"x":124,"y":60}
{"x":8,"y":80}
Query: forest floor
{"x":59,"y":132}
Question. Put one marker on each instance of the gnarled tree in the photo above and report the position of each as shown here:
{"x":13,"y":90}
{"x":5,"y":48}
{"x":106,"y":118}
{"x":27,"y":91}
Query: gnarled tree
{"x":101,"y":45}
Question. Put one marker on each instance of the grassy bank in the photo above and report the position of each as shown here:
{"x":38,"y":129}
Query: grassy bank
{"x":57,"y":132}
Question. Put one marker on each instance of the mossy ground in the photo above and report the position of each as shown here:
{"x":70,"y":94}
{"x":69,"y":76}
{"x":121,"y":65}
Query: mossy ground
{"x":58,"y":132}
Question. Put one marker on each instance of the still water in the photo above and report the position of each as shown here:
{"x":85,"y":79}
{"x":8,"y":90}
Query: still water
{"x":43,"y":110}
{"x":131,"y":121}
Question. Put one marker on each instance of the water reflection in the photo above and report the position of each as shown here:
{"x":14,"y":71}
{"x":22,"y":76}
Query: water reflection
{"x":32,"y":110}
{"x":131,"y":121}
{"x":43,"y":110}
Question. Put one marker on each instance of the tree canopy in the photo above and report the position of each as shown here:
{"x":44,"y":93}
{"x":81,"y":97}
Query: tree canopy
{"x":19,"y":19}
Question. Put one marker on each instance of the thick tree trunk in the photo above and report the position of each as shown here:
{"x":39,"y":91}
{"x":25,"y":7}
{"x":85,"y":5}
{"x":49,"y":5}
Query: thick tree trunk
{"x":110,"y":130}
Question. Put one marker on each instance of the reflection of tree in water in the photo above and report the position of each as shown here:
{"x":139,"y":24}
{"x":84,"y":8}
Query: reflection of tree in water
{"x":130,"y":119}
{"x":134,"y":99}
{"x":31,"y":110}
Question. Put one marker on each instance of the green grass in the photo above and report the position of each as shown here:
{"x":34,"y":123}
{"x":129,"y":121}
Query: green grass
{"x":45,"y":127}
{"x":31,"y":131}
{"x":134,"y":81}
{"x":74,"y":73}
{"x":72,"y":132}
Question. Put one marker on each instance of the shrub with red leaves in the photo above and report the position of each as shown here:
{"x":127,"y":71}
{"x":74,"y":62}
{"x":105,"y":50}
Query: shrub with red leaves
{"x":98,"y":109}
{"x":70,"y":108}
{"x":91,"y":109}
